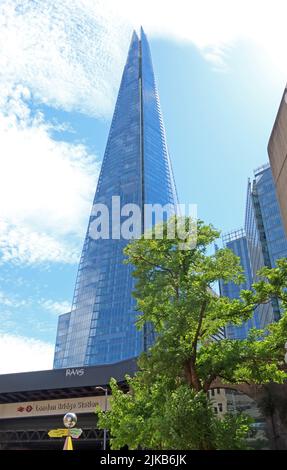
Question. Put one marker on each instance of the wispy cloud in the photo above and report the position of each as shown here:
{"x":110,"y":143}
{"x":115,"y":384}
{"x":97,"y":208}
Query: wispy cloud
{"x":21,"y":245}
{"x":215,"y":26}
{"x":24,"y":354}
{"x":46,"y":186}
{"x":56,"y":307}
{"x":4,"y":300}
{"x":9,"y":301}
{"x":70,"y":54}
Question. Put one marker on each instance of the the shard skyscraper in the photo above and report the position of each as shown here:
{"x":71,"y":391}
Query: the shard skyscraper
{"x":100,"y":329}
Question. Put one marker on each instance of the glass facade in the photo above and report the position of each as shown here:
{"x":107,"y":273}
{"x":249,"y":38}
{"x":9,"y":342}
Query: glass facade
{"x":274,"y":240}
{"x":265,"y":232}
{"x":237,"y":242}
{"x":62,"y":334}
{"x":261,"y":244}
{"x":136,"y":167}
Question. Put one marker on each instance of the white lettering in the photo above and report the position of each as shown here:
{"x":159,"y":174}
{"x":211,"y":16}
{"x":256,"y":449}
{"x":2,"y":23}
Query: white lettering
{"x":73,"y":372}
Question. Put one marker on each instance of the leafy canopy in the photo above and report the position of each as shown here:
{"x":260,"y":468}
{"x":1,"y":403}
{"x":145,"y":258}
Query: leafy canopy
{"x":167,"y":406}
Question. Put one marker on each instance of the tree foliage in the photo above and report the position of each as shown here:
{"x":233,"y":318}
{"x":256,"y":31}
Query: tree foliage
{"x":156,"y":416}
{"x":167,"y":406}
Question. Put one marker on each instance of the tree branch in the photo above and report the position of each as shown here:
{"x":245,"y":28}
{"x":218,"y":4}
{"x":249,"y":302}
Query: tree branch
{"x":197,"y":333}
{"x":166,"y":270}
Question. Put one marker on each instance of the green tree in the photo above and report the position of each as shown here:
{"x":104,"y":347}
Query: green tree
{"x":168,"y":406}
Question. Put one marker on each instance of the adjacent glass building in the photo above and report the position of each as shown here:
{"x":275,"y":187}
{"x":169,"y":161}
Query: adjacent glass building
{"x":266,"y":209}
{"x":261,"y":243}
{"x":100,"y":329}
{"x":237,"y":242}
{"x":265,"y":231}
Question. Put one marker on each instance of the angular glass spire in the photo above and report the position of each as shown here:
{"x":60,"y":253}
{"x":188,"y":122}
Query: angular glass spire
{"x":136,"y":167}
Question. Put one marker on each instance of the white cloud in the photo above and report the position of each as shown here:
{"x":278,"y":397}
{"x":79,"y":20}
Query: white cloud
{"x":68,"y":53}
{"x":214,"y":26}
{"x":71,"y":54}
{"x":24,"y":354}
{"x":9,"y":301}
{"x":22,"y":245}
{"x":46,"y":186}
{"x":41,"y":179}
{"x":4,"y":300}
{"x":57,"y":307}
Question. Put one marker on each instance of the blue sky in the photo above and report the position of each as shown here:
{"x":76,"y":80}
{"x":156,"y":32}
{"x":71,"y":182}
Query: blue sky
{"x":220,"y":78}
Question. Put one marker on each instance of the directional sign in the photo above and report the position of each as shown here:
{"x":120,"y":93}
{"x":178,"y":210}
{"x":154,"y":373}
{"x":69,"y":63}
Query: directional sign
{"x":75,"y":432}
{"x":58,"y":432}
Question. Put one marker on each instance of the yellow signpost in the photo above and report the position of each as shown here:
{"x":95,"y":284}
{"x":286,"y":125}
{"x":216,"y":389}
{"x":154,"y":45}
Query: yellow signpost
{"x":70,"y":419}
{"x":58,"y":433}
{"x":68,"y":443}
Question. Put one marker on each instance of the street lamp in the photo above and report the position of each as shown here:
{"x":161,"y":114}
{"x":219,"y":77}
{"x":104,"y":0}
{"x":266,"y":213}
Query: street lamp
{"x":106,"y":407}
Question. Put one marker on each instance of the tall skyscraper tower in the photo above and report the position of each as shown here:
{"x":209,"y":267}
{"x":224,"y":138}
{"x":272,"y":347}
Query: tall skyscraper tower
{"x":100,"y":329}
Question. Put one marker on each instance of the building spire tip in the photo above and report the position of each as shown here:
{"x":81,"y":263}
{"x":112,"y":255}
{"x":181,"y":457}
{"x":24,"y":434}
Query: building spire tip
{"x":135,"y":35}
{"x":143,"y":34}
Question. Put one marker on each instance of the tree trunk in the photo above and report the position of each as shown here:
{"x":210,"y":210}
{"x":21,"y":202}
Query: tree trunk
{"x":273,"y":404}
{"x":191,"y":376}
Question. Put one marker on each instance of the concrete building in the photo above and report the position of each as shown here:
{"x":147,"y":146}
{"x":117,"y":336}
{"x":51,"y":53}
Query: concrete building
{"x":277,"y":150}
{"x":234,"y":402}
{"x":33,"y":403}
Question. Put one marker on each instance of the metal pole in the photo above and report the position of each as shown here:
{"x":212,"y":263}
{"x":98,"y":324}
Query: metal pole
{"x":106,"y":407}
{"x":105,"y":431}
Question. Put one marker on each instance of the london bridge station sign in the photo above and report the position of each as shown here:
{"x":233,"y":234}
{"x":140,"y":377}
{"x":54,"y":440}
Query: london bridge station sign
{"x":51,"y":407}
